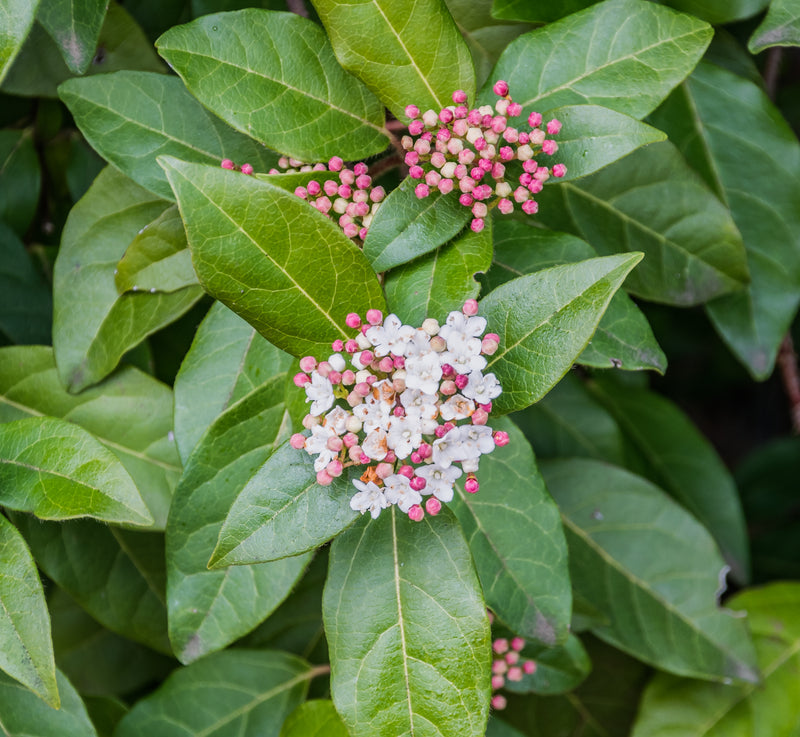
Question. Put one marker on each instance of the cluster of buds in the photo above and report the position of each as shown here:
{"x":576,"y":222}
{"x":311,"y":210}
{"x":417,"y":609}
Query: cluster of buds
{"x":244,"y":168}
{"x":411,"y":408}
{"x":507,"y":665}
{"x":469,"y":150}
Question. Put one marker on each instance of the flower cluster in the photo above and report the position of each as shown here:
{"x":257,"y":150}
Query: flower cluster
{"x":507,"y":666}
{"x":469,"y":149}
{"x":411,"y":409}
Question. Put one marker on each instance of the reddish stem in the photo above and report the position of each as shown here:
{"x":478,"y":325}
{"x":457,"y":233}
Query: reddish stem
{"x":787,"y":363}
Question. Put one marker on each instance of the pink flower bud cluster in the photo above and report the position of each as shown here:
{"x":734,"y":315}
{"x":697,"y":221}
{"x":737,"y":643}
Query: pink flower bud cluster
{"x":468,"y":151}
{"x":508,"y":666}
{"x":408,"y":404}
{"x":340,"y":193}
{"x":244,"y":168}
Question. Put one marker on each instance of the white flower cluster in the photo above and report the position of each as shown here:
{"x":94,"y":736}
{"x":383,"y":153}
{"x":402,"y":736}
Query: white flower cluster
{"x":411,"y":409}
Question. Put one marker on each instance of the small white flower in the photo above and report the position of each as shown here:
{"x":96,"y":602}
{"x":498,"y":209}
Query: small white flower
{"x":423,"y":373}
{"x":398,"y":491}
{"x":457,"y":407}
{"x":422,"y":408}
{"x":404,"y":436}
{"x":336,"y":420}
{"x":476,"y":440}
{"x":373,"y":415}
{"x":375,"y":445}
{"x":482,"y":388}
{"x":391,"y":337}
{"x":419,"y":344}
{"x":447,"y":449}
{"x":317,"y":442}
{"x":319,"y":391}
{"x":369,"y":498}
{"x":439,"y":481}
{"x":458,"y":325}
{"x":464,"y":354}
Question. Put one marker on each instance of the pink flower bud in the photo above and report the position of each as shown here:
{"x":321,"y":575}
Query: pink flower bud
{"x":334,"y":468}
{"x":499,"y":667}
{"x":499,"y":124}
{"x":498,"y":682}
{"x":345,"y":191}
{"x":479,"y":210}
{"x":364,"y":459}
{"x":479,"y":417}
{"x":446,"y":186}
{"x":354,"y":454}
{"x":514,"y":109}
{"x":498,"y":170}
{"x":308,"y":363}
{"x":511,"y":135}
{"x":474,"y":117}
{"x":362,"y":389}
{"x":500,"y":88}
{"x":443,"y":135}
{"x":310,"y":421}
{"x":437,"y":160}
{"x":415,"y":514}
{"x":529,"y":666}
{"x":377,"y":194}
{"x":559,"y":170}
{"x":360,"y":169}
{"x":353,"y":320}
{"x":438,"y":343}
{"x":462,"y":380}
{"x":433,"y":506}
{"x":323,"y":368}
{"x":298,"y":441}
{"x":499,"y":702}
{"x":460,"y":128}
{"x":350,"y":230}
{"x":350,"y":440}
{"x":374,"y":317}
{"x":354,"y":398}
{"x":415,"y":127}
{"x":363,"y":181}
{"x":521,"y":194}
{"x":524,"y":138}
{"x":228,"y":164}
{"x":500,"y":645}
{"x":399,"y":411}
{"x":334,"y":444}
{"x":416,"y":172}
{"x":324,"y":478}
{"x":514,"y":674}
{"x":476,"y":173}
{"x":471,"y":485}
{"x":480,"y":144}
{"x":466,"y":200}
{"x":301,"y":192}
{"x":348,"y":377}
{"x":422,"y":190}
{"x":429,"y":117}
{"x":314,"y":188}
{"x":553,"y":127}
{"x":386,"y":364}
{"x":535,"y":186}
{"x":448,"y":388}
{"x":335,"y":163}
{"x":432,"y":178}
{"x":301,"y":379}
{"x":505,"y":206}
{"x":412,"y":111}
{"x":489,"y":347}
{"x":549,"y":146}
{"x":446,"y":115}
{"x":346,"y":176}
{"x":466,"y":185}
{"x":418,"y":483}
{"x":530,"y":207}
{"x":415,"y":457}
{"x":334,"y":377}
{"x":390,"y":457}
{"x":406,"y":471}
{"x":535,"y":120}
{"x":459,"y":97}
{"x":517,"y":644}
{"x":500,"y":438}
{"x":383,"y":470}
{"x":330,"y":188}
{"x":512,"y":658}
{"x":486,"y":407}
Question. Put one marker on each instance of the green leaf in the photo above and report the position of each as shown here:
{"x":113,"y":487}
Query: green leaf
{"x":316,"y":718}
{"x":17,"y":19}
{"x":545,"y":320}
{"x":648,"y":49}
{"x":283,"y":511}
{"x":130,"y":413}
{"x":243,"y":692}
{"x":274,"y":76}
{"x":130,"y":118}
{"x":651,"y":201}
{"x":20,"y":179}
{"x":780,"y":27}
{"x":537,"y":12}
{"x":75,"y":26}
{"x":404,"y":54}
{"x":403,"y":609}
{"x":105,"y":713}
{"x":210,"y":609}
{"x":719,"y":11}
{"x":26,"y":307}
{"x":672,"y":706}
{"x":26,"y":650}
{"x":662,"y":607}
{"x":294,"y":275}
{"x":442,"y":281}
{"x":708,"y":117}
{"x":683,"y":463}
{"x":515,"y":536}
{"x":558,"y":669}
{"x":58,"y":471}
{"x":23,"y":714}
{"x":116,"y":575}
{"x":406,"y":227}
{"x":93,"y":326}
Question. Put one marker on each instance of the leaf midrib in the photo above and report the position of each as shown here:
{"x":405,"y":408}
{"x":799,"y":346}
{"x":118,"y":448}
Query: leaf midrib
{"x":401,"y":622}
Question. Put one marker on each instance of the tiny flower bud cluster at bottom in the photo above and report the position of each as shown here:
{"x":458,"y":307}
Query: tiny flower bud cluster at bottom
{"x":507,"y":666}
{"x":411,"y":407}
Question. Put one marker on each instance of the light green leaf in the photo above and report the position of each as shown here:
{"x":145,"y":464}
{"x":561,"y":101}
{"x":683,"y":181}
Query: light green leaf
{"x":404,"y":53}
{"x":406,"y":227}
{"x":662,"y":607}
{"x":673,"y":706}
{"x":537,"y":11}
{"x":20,"y":179}
{"x":317,"y":718}
{"x":93,"y":326}
{"x":59,"y":471}
{"x":709,"y":117}
{"x":242,"y":692}
{"x":403,"y":609}
{"x":439,"y":282}
{"x":647,"y":50}
{"x":780,"y":27}
{"x":75,"y":26}
{"x":293,"y":275}
{"x":23,"y":714}
{"x":515,"y":536}
{"x":719,"y":11}
{"x":651,"y":201}
{"x":130,"y":413}
{"x":16,"y":19}
{"x":130,"y":118}
{"x":26,"y":650}
{"x":274,"y":76}
{"x":545,"y":320}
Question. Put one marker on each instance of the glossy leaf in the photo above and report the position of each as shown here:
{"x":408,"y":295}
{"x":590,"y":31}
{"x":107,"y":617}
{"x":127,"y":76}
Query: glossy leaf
{"x":17,"y":18}
{"x":441,"y":281}
{"x":130,"y":118}
{"x":720,"y":11}
{"x":243,"y":692}
{"x":404,"y":53}
{"x":651,"y":201}
{"x":545,"y":320}
{"x":274,"y":76}
{"x":283,"y":511}
{"x":93,"y":326}
{"x":406,"y":227}
{"x":662,"y":607}
{"x":26,"y":650}
{"x":294,"y":276}
{"x":209,"y":609}
{"x":709,"y":117}
{"x":683,"y":463}
{"x":537,"y":12}
{"x":130,"y":413}
{"x":649,"y":50}
{"x":559,"y":669}
{"x":57,"y":470}
{"x":780,"y":27}
{"x":402,"y":606}
{"x":20,"y":179}
{"x":514,"y":533}
{"x":75,"y":26}
{"x":672,"y":706}
{"x":317,"y":718}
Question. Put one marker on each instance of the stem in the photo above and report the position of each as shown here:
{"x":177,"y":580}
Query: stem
{"x":772,"y":69}
{"x":384,"y":165}
{"x":298,"y":7}
{"x":319,"y":670}
{"x":787,"y":363}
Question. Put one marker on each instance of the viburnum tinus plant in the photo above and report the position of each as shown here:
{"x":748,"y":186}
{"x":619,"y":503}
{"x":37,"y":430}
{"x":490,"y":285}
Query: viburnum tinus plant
{"x":325,"y":403}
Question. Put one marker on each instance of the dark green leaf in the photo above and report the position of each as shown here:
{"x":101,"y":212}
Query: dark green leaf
{"x":647,"y":50}
{"x":515,"y":536}
{"x":242,"y":692}
{"x":105,"y":713}
{"x":93,"y":326}
{"x":780,"y":27}
{"x":402,"y":607}
{"x":130,"y":118}
{"x":20,"y":179}
{"x":651,"y":201}
{"x":662,"y":607}
{"x":558,"y":669}
{"x":293,"y":275}
{"x":16,"y":19}
{"x":404,"y":54}
{"x":536,"y":11}
{"x":406,"y":227}
{"x":75,"y":26}
{"x":274,"y":76}
{"x":316,"y":718}
{"x":545,"y":320}
{"x":719,"y":11}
